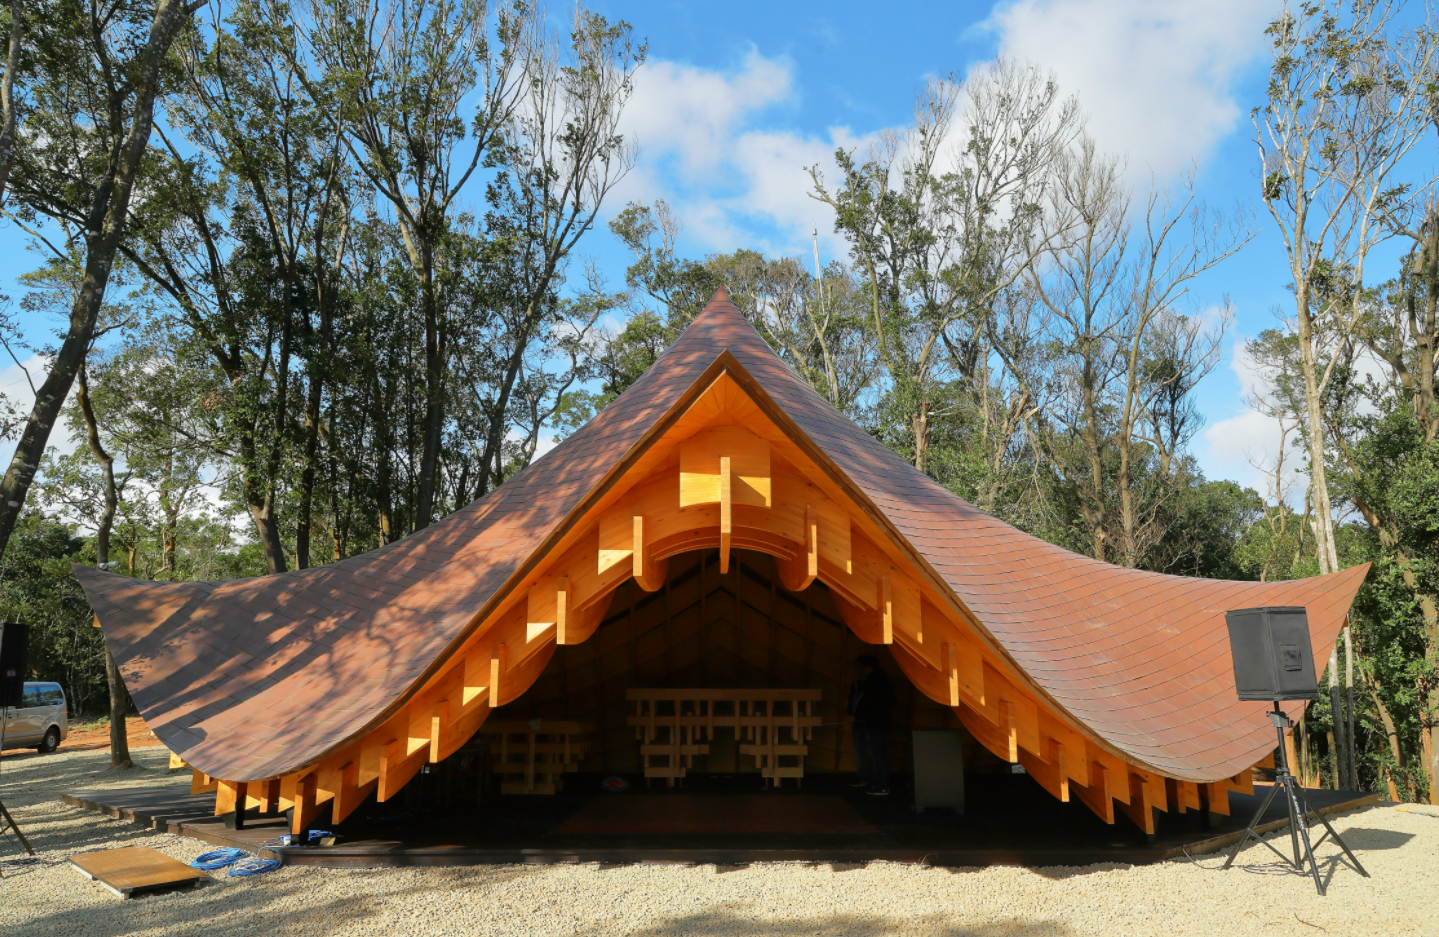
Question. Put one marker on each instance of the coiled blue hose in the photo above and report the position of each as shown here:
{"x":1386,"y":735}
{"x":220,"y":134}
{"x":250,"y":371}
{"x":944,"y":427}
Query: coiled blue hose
{"x":218,"y":859}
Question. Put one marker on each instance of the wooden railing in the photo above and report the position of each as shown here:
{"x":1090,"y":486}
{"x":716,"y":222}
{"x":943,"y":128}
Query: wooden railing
{"x":531,"y":757}
{"x":677,"y":724}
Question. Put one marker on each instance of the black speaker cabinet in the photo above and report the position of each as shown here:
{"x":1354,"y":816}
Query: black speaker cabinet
{"x":1273,"y":659}
{"x":14,"y":644}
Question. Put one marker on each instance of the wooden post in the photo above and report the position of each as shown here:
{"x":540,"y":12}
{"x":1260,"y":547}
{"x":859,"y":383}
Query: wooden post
{"x":497,"y":670}
{"x":726,"y":513}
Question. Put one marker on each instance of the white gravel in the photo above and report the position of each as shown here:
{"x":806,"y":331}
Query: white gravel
{"x":1400,"y":847}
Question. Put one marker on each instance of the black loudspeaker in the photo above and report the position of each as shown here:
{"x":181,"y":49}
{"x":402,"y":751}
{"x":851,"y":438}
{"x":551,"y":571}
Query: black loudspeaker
{"x":1272,"y":655}
{"x":14,"y":645}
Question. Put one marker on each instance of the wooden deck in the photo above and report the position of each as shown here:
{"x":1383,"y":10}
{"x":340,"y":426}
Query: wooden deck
{"x":1011,"y":822}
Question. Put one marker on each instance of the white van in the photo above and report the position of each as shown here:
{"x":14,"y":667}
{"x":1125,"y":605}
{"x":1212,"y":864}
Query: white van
{"x":41,"y":722}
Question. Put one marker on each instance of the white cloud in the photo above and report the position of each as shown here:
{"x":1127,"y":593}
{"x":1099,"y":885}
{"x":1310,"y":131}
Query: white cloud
{"x":20,"y":397}
{"x":1156,"y":79}
{"x":693,"y":113}
{"x":1246,"y":447}
{"x":728,"y":179}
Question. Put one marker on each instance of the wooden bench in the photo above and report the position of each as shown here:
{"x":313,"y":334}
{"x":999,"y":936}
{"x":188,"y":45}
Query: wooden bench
{"x":677,"y":724}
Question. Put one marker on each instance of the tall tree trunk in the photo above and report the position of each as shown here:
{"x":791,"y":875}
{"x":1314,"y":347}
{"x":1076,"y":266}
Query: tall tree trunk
{"x":314,"y":397}
{"x":1318,"y":476}
{"x":119,"y":695}
{"x":1391,"y":731}
{"x":434,"y":394}
{"x":104,"y":228}
{"x":7,"y":99}
{"x":921,"y":435}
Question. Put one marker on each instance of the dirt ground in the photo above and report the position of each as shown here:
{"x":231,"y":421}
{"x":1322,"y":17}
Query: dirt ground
{"x":89,"y":736}
{"x":1398,"y":845}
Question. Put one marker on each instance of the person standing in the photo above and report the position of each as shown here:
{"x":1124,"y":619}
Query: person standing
{"x":871,"y":707}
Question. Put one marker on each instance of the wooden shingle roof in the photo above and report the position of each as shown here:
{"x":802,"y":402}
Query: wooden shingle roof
{"x":253,"y":678}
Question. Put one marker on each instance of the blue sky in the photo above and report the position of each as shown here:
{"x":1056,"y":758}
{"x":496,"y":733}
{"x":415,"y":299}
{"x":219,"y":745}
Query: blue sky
{"x":737,"y":98}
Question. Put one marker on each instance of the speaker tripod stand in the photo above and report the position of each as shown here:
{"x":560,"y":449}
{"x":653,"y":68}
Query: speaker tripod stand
{"x":1298,"y":829}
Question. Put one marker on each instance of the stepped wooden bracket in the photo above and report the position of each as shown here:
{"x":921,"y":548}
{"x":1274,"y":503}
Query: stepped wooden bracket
{"x":476,"y":684}
{"x":649,"y":573}
{"x":306,"y":804}
{"x":270,"y":796}
{"x":548,"y":608}
{"x":884,"y":601}
{"x":230,"y":797}
{"x":497,"y":670}
{"x":1141,"y":804}
{"x":797,"y":573}
{"x":950,"y":656}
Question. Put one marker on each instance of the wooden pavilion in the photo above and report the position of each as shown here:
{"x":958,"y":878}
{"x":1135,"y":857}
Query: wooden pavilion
{"x":720,"y":527}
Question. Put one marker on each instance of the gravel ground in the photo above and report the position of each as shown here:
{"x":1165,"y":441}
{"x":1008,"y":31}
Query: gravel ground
{"x":1399,"y":846}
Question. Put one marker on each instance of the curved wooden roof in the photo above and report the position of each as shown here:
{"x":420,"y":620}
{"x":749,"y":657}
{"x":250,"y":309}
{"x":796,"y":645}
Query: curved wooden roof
{"x":253,"y":678}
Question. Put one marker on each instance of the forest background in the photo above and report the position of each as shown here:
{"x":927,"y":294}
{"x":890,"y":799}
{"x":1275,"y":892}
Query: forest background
{"x":322,"y":278}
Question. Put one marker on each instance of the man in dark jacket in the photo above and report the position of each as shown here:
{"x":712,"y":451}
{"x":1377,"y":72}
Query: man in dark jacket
{"x":871,"y":706}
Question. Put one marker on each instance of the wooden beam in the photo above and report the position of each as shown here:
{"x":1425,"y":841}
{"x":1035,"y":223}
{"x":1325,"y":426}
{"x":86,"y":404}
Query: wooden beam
{"x":884,"y":601}
{"x":230,"y":796}
{"x":726,"y":503}
{"x":396,"y":769}
{"x":546,"y":607}
{"x":1098,"y":795}
{"x":1156,"y":789}
{"x":751,"y":480}
{"x":1216,"y":796}
{"x":201,"y":783}
{"x":270,"y":796}
{"x":1140,"y":808}
{"x":439,"y":722}
{"x":1050,"y":775}
{"x":562,"y":609}
{"x":306,"y":804}
{"x":949,"y":654}
{"x":1071,"y":743}
{"x":797,"y":573}
{"x":498,"y":656}
{"x":1009,"y":725}
{"x":348,"y":792}
{"x":476,"y":685}
{"x":418,"y":734}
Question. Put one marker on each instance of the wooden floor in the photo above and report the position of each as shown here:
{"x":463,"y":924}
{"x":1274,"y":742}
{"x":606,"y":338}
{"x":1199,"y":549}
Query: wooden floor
{"x":1010,"y":821}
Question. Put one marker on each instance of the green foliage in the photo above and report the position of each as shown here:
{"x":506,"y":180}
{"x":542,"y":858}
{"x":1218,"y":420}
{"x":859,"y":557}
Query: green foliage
{"x":41,"y":591}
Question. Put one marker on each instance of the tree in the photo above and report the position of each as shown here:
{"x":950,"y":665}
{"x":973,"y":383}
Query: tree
{"x":88,"y":112}
{"x":110,"y":492}
{"x":1346,"y":103}
{"x":406,"y":75}
{"x":936,"y":243}
{"x":1124,"y":360}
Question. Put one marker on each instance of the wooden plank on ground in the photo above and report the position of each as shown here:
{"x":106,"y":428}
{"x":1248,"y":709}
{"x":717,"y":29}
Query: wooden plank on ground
{"x":131,"y":869}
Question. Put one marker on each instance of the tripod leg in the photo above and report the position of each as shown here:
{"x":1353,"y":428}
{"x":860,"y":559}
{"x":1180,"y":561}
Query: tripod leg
{"x":1301,"y":831}
{"x":1249,"y":830}
{"x":1287,"y":781}
{"x":23,"y":841}
{"x":1334,"y":835}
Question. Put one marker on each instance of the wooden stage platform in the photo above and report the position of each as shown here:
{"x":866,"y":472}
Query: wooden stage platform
{"x":1010,"y":821}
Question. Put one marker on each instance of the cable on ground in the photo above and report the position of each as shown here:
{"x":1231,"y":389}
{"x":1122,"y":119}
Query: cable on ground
{"x":218,"y":859}
{"x":252,"y":865}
